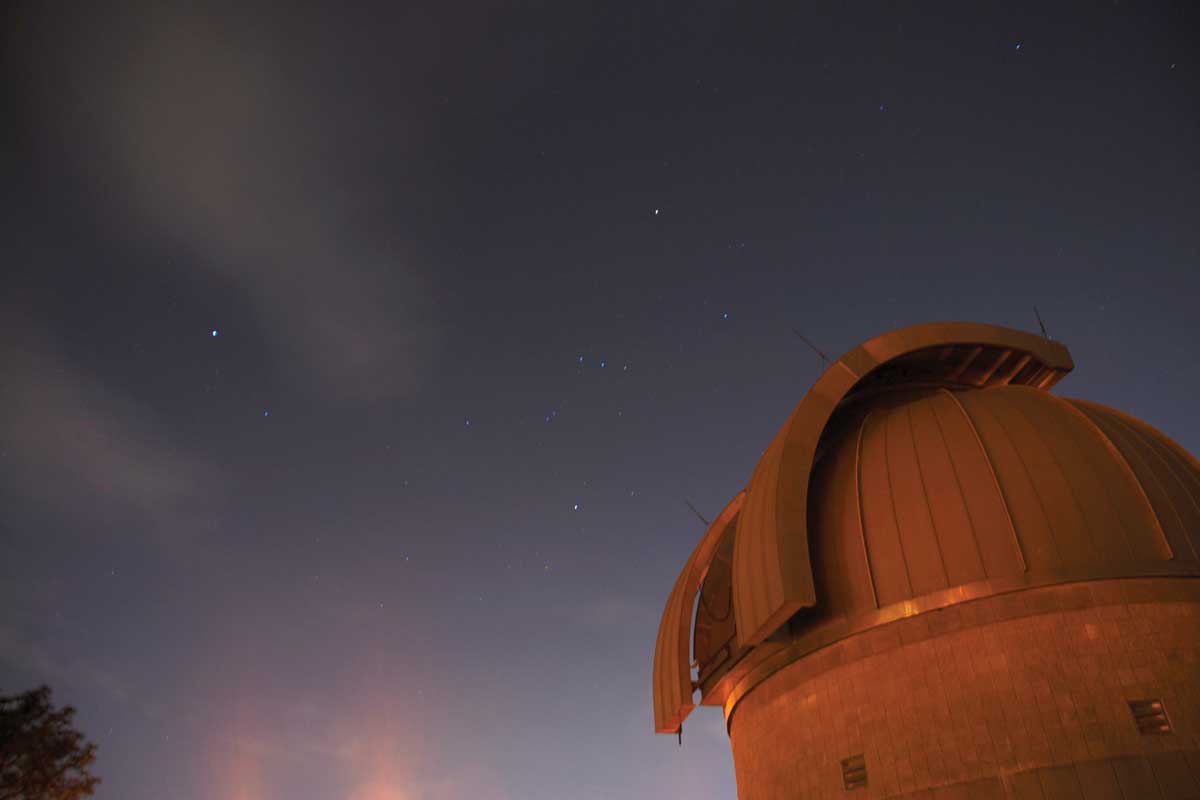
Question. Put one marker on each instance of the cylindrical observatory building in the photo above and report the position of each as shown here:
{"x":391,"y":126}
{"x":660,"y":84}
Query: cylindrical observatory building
{"x":943,"y":580}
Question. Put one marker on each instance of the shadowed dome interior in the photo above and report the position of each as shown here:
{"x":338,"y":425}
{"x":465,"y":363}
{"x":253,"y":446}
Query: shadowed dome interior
{"x":929,"y":465}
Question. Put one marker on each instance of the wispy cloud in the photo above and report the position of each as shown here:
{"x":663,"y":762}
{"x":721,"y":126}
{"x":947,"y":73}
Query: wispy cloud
{"x":221,"y":136}
{"x":66,"y":434}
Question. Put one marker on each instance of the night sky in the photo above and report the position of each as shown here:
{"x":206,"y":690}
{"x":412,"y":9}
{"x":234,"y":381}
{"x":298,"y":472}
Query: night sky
{"x":357,"y":363}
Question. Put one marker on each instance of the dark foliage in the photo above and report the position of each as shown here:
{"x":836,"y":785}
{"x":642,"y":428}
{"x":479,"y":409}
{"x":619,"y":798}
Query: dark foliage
{"x":41,"y":756}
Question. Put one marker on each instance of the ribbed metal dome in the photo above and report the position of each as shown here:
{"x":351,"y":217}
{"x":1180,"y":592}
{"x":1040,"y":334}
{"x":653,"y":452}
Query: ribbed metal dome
{"x":921,"y":491}
{"x":928,"y":466}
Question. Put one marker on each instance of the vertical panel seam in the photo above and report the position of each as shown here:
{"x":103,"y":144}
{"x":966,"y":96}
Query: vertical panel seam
{"x":961,"y":494}
{"x":862,"y":528}
{"x":887,"y":470}
{"x":1178,"y":459}
{"x":937,"y":542}
{"x":1112,"y":448}
{"x":995,"y":479}
{"x":1116,"y":779}
{"x":1171,"y":471}
{"x":1052,"y":538}
{"x":1066,"y":480}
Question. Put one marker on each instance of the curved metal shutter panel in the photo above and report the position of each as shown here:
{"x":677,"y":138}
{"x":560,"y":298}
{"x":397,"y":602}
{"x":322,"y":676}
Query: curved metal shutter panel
{"x":672,"y":672}
{"x":755,"y":585}
{"x":671,"y":679}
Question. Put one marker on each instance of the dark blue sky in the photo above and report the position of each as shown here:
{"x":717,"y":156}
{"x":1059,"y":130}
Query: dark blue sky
{"x":495,"y":288}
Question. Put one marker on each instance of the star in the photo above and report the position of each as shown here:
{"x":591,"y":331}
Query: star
{"x":656,"y":212}
{"x":266,"y":413}
{"x":214,"y":332}
{"x":725,"y":315}
{"x":577,"y":506}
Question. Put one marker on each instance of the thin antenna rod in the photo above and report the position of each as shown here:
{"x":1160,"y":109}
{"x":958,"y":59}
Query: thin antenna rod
{"x":697,"y":513}
{"x":813,"y":347}
{"x":680,"y":732}
{"x":1041,"y":324}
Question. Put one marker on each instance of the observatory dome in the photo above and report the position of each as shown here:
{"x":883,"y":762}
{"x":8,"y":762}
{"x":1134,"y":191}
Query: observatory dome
{"x":928,"y":467}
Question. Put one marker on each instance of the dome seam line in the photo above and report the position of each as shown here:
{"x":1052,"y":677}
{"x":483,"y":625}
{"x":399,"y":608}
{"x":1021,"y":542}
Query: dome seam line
{"x":862,"y":528}
{"x":1128,"y":469}
{"x":987,"y":457}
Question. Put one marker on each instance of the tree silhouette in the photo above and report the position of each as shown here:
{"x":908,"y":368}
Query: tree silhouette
{"x":41,"y":756}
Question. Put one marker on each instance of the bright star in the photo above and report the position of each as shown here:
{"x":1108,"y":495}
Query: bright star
{"x":656,"y":212}
{"x":577,"y":506}
{"x":214,"y":331}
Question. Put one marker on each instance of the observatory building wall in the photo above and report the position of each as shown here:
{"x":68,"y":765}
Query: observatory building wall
{"x":1021,"y":695}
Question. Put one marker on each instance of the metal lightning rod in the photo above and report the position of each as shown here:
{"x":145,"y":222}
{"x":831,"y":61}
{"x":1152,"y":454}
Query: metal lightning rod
{"x":1041,"y":324}
{"x":697,"y":513}
{"x":813,"y":347}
